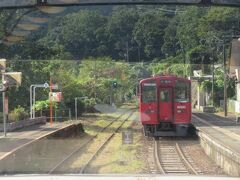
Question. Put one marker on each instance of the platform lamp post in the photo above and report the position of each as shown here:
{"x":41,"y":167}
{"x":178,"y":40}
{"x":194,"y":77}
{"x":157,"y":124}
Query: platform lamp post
{"x":33,"y":96}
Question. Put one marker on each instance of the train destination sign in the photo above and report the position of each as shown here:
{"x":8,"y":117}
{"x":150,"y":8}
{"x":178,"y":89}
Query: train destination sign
{"x":149,"y":84}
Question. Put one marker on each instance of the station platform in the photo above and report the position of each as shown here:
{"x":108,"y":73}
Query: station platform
{"x":220,"y":138}
{"x":20,"y":138}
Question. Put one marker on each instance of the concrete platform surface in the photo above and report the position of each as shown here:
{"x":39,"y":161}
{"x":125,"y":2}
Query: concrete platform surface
{"x":20,"y":138}
{"x":220,"y":137}
{"x":222,"y":129}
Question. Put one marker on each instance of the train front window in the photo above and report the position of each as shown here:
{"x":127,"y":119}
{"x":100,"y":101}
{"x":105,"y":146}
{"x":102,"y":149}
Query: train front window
{"x":182,"y":92}
{"x":164,"y":95}
{"x":149,"y":92}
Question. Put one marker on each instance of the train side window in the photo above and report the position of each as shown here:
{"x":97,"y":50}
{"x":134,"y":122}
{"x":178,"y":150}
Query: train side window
{"x":149,"y":92}
{"x":164,"y":96}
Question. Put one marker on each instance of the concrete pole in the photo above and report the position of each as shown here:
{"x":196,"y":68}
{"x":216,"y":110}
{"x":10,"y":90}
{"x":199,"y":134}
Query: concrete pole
{"x":139,"y":59}
{"x":51,"y":103}
{"x":31,"y":101}
{"x":237,"y":70}
{"x":70,"y":114}
{"x":76,"y":112}
{"x":4,"y":113}
{"x":127,"y":51}
{"x":34,"y":97}
{"x":225,"y":81}
{"x":212,"y":80}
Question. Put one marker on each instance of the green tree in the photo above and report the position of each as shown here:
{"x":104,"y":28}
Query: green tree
{"x":119,"y":30}
{"x":149,"y":32}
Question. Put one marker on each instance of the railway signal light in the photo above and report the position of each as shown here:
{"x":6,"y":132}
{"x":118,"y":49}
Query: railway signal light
{"x":114,"y":85}
{"x":41,"y":2}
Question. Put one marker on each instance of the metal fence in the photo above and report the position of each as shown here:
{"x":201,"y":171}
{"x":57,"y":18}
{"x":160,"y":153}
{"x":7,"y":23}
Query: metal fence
{"x":58,"y":114}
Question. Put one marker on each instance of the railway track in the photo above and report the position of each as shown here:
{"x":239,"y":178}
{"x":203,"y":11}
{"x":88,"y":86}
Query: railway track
{"x":171,"y":159}
{"x":98,"y":150}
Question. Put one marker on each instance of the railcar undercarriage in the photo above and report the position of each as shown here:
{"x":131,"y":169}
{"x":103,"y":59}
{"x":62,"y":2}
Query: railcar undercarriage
{"x":166,"y":129}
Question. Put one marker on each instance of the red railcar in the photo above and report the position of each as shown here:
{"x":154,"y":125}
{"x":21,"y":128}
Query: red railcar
{"x":165,"y":106}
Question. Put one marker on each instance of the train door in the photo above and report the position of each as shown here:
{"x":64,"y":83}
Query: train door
{"x":165,"y":104}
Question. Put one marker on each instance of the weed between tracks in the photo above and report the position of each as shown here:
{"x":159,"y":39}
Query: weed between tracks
{"x":120,"y":158}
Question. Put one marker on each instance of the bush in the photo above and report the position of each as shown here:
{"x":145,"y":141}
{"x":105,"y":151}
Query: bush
{"x":89,"y":104}
{"x":41,"y":105}
{"x":17,"y":114}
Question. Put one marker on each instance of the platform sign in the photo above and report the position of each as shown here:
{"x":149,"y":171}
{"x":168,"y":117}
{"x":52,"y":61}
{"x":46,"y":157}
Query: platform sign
{"x":55,"y":96}
{"x":127,"y":137}
{"x":54,"y":86}
{"x":13,"y":78}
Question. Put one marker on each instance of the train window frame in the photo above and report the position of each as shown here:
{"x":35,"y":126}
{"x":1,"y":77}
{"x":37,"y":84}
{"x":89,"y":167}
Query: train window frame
{"x":154,"y":100}
{"x":187,"y":94}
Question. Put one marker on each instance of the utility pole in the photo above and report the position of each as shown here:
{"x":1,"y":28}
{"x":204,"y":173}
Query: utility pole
{"x":4,"y":114}
{"x":127,"y":51}
{"x":31,"y":102}
{"x":3,"y":70}
{"x":139,"y":59}
{"x":225,"y":80}
{"x":76,"y":116}
{"x":51,"y":105}
{"x":212,"y":78}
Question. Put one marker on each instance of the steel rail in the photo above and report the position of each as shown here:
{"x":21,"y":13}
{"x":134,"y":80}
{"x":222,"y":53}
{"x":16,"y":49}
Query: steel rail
{"x":82,"y":146}
{"x":157,"y":159}
{"x":82,"y":171}
{"x":185,"y":161}
{"x":172,"y":160}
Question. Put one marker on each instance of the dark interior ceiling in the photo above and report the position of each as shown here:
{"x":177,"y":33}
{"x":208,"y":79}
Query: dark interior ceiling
{"x":34,"y":3}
